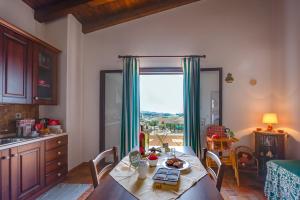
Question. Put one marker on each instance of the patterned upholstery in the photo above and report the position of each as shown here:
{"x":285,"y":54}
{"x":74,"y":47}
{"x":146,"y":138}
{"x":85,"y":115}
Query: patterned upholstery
{"x":215,"y":146}
{"x":215,"y":130}
{"x":246,"y":159}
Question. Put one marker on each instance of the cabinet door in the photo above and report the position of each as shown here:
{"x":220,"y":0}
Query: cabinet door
{"x":30,"y":169}
{"x":4,"y":175}
{"x":16,"y":67}
{"x":13,"y":173}
{"x":44,"y":75}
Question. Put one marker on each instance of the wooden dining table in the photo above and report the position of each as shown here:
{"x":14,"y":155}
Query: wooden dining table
{"x":110,"y":189}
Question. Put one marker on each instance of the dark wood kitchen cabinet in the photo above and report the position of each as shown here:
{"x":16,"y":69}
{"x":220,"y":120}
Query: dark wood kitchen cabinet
{"x":22,"y":171}
{"x":16,"y":67}
{"x":44,"y":75}
{"x":4,"y":175}
{"x":8,"y":174}
{"x":26,"y":171}
{"x":30,"y":169}
{"x":28,"y":68}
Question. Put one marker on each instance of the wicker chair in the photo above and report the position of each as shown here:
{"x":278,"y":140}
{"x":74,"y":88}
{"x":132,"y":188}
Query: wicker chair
{"x":246,"y":161}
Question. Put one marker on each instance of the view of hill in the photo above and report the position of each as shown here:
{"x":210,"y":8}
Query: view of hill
{"x":149,"y":114}
{"x":162,"y":122}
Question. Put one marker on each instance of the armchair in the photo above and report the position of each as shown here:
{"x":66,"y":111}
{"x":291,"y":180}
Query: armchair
{"x":246,"y":161}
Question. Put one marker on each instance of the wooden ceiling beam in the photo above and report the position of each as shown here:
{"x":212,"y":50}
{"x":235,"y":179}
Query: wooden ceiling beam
{"x":62,"y":8}
{"x":131,"y":14}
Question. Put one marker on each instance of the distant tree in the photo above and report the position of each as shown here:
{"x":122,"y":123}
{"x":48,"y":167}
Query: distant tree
{"x":173,"y":127}
{"x":153,"y":123}
{"x":162,"y":126}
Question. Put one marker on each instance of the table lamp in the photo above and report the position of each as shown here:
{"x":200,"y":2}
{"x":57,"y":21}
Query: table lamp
{"x":270,"y":119}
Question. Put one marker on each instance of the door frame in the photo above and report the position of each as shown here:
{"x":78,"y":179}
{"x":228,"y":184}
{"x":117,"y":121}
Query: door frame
{"x":149,"y":71}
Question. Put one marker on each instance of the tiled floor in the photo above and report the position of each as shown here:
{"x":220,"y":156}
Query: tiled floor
{"x":251,"y":188}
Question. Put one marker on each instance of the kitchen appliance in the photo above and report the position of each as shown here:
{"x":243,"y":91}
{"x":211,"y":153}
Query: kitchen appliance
{"x":24,"y":127}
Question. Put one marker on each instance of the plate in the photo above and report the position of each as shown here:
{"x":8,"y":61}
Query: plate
{"x":186,"y":165}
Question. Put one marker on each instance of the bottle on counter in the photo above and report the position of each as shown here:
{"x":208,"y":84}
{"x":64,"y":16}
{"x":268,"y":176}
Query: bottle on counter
{"x":142,"y":141}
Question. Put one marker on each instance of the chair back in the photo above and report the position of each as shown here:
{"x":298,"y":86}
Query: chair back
{"x":99,"y":160}
{"x":245,"y":157}
{"x":217,"y":177}
{"x":247,"y":149}
{"x":215,"y":130}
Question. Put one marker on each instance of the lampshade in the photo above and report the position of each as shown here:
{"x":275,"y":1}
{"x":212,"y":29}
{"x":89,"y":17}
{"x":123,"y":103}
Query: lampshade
{"x":270,"y":118}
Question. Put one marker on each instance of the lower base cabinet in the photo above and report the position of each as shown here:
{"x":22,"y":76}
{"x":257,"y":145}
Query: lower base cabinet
{"x":8,"y":174}
{"x":4,"y":174}
{"x":31,"y":173}
{"x":25,"y":172}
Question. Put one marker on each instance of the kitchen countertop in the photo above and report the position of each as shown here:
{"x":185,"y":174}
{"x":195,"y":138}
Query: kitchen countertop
{"x":30,"y":140}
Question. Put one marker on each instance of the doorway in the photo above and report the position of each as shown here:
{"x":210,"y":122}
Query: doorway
{"x":111,"y":101}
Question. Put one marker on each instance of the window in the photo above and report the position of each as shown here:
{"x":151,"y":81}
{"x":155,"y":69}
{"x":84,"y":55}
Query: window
{"x":161,"y":104}
{"x":162,"y":86}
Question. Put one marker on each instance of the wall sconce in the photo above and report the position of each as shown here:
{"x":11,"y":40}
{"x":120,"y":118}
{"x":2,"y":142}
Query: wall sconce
{"x":253,"y":82}
{"x":229,"y":78}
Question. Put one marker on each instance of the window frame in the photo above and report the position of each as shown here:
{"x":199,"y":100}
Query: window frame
{"x":150,"y":71}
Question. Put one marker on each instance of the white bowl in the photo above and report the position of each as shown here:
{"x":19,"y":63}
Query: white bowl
{"x":152,"y":163}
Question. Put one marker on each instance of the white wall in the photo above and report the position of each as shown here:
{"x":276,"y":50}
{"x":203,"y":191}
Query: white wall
{"x":286,"y":70}
{"x":74,"y":91}
{"x":234,"y":34}
{"x":18,"y":13}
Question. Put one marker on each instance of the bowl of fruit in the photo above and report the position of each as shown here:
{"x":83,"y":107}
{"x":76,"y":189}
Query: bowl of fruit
{"x":152,"y":159}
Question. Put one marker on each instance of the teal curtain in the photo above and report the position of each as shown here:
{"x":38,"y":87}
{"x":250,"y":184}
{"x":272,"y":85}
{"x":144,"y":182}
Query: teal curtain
{"x":130,"y":105}
{"x":191,"y":95}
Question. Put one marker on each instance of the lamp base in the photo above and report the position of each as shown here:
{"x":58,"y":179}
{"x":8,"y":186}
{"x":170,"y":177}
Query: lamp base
{"x":270,"y":128}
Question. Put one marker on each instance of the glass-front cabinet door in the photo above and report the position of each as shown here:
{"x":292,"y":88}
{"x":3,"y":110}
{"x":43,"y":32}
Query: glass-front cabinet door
{"x":44,"y":75}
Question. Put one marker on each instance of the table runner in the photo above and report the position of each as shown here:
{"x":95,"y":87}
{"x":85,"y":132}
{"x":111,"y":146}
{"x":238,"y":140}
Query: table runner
{"x":146,"y":189}
{"x":283,"y":180}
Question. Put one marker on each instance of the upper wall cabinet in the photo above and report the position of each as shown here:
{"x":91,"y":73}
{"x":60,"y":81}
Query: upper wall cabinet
{"x":16,"y":67}
{"x":44,"y":75}
{"x":28,"y":68}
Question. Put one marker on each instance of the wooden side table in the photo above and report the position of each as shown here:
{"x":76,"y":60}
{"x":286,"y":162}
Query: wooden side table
{"x":269,"y":146}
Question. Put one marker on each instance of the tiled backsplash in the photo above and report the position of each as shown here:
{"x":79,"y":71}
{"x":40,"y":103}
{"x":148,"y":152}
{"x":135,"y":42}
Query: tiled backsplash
{"x":8,"y":116}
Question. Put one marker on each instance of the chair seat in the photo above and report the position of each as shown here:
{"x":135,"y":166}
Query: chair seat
{"x":248,"y":168}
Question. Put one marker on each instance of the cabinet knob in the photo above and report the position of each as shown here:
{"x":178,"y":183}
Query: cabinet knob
{"x":13,"y":155}
{"x":5,"y":158}
{"x":58,"y":142}
{"x":36,"y":98}
{"x":59,"y":163}
{"x":59,"y":174}
{"x":59,"y":153}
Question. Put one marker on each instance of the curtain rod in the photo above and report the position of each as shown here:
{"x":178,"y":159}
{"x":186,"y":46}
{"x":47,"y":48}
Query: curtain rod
{"x":128,"y":56}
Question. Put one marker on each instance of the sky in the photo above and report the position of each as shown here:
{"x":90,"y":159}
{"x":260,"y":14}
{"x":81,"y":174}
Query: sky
{"x":161,"y":93}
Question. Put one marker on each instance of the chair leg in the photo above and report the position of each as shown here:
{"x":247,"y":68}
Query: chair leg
{"x":237,"y":177}
{"x":234,"y":167}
